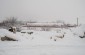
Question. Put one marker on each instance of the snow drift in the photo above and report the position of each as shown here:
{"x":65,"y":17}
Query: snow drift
{"x":7,"y":34}
{"x":79,"y":31}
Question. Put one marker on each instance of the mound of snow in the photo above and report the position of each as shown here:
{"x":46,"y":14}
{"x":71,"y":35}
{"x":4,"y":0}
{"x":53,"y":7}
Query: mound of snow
{"x":3,"y":32}
{"x":15,"y":36}
{"x":79,"y":31}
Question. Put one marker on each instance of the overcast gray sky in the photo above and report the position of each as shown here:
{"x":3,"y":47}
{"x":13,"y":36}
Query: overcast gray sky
{"x":43,"y":10}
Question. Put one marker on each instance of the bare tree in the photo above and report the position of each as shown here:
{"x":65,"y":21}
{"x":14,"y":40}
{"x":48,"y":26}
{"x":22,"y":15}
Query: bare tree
{"x":12,"y":21}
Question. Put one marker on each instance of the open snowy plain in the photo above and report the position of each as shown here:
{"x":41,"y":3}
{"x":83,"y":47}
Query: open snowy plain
{"x":41,"y":43}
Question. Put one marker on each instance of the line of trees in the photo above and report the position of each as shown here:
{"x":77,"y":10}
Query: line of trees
{"x":8,"y":22}
{"x":13,"y":21}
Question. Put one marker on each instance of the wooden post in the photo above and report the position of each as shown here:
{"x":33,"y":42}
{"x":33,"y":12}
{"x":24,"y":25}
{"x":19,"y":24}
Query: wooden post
{"x":77,"y":22}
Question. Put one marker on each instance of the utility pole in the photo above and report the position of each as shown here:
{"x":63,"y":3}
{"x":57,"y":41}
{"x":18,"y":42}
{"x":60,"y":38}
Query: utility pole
{"x":77,"y":21}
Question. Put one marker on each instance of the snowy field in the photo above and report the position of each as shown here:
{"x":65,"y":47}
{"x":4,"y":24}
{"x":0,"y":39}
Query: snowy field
{"x":41,"y":43}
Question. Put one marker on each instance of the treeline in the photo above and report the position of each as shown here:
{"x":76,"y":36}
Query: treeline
{"x":13,"y":21}
{"x":8,"y":22}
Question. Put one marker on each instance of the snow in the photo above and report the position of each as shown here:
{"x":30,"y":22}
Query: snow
{"x":39,"y":43}
{"x":4,"y":32}
{"x":79,"y":30}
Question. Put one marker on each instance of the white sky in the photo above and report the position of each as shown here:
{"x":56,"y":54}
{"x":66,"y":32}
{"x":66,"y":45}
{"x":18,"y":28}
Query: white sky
{"x":43,"y":10}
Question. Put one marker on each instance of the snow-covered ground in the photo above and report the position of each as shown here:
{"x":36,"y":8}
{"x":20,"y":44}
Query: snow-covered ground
{"x":39,"y":43}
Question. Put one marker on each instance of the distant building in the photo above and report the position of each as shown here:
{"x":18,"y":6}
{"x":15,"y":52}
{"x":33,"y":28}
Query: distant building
{"x":42,"y":26}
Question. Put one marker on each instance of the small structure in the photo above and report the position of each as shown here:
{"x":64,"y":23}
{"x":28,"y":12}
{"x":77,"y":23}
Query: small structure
{"x":12,"y":29}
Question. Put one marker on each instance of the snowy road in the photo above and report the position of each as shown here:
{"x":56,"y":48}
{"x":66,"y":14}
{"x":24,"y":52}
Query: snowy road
{"x":20,"y":49}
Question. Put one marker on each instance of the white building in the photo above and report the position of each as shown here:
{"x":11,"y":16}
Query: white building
{"x":42,"y":26}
